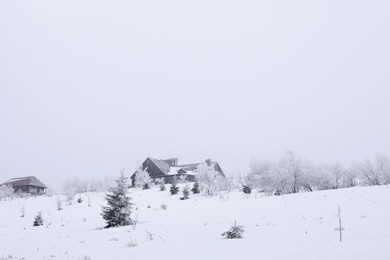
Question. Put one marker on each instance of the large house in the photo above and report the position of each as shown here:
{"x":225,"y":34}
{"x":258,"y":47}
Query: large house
{"x":169,"y":168}
{"x":26,"y":184}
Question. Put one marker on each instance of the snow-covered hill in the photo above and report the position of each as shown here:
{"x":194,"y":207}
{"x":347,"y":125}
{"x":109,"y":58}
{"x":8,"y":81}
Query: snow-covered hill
{"x":299,"y":226}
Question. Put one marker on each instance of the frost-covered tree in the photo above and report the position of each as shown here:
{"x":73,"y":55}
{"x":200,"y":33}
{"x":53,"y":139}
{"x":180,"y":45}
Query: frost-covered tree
{"x":289,"y":172}
{"x":142,"y":179}
{"x":118,"y":211}
{"x":209,"y":179}
{"x":350,"y":176}
{"x":261,"y":175}
{"x":326,"y":176}
{"x":375,"y":172}
{"x":6,"y":192}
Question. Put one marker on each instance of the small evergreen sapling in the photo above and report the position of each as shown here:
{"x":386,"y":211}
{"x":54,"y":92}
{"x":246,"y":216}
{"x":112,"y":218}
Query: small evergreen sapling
{"x":186,"y":193}
{"x":174,"y":189}
{"x":118,"y":211}
{"x":246,"y":189}
{"x":161,"y":183}
{"x":234,"y":232}
{"x":38,"y":221}
{"x":195,"y":189}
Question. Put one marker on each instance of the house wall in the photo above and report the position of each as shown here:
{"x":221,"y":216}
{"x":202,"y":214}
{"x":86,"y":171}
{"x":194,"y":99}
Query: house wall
{"x":28,"y":189}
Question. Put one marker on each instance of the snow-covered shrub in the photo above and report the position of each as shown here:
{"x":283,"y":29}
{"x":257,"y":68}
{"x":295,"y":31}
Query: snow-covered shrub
{"x":118,"y":211}
{"x":132,"y":243}
{"x":235,"y":231}
{"x":182,"y":178}
{"x":161,"y":183}
{"x":209,"y":179}
{"x":38,"y":221}
{"x":142,"y":179}
{"x":186,"y":193}
{"x":6,"y":192}
{"x":164,"y":206}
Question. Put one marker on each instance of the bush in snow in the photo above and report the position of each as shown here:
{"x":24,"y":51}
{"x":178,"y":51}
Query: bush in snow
{"x":174,"y":189}
{"x":209,"y":179}
{"x":186,"y":193}
{"x":118,"y":211}
{"x":195,"y":189}
{"x":161,"y":183}
{"x":163,"y":206}
{"x":38,"y":221}
{"x":6,"y":192}
{"x":142,"y":179}
{"x":246,"y":189}
{"x":235,"y":231}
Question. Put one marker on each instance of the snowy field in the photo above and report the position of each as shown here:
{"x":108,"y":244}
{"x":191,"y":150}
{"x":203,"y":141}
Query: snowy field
{"x":299,"y":226}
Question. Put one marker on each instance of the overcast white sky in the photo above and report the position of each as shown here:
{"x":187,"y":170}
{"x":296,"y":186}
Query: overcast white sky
{"x":90,"y":87}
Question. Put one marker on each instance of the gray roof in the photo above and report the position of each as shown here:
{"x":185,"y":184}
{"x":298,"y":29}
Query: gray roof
{"x":162,"y":165}
{"x":24,"y":181}
{"x":165,"y":167}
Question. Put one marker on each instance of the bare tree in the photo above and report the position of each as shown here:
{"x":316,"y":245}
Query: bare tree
{"x":375,"y":172}
{"x":290,"y":172}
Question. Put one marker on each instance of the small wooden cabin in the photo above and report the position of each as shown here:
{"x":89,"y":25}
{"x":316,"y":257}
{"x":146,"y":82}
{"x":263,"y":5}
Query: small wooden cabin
{"x":26,"y":184}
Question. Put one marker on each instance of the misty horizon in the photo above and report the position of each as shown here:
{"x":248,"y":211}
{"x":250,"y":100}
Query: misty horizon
{"x":87,"y":88}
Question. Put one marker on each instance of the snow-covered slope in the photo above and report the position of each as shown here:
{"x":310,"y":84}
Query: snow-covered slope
{"x":299,"y":226}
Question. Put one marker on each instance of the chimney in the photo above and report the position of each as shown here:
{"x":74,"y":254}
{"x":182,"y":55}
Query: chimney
{"x":208,"y":162}
{"x":172,"y":161}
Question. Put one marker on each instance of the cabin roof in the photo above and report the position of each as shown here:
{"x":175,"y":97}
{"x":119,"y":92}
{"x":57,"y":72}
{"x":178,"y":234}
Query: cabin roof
{"x":24,"y":181}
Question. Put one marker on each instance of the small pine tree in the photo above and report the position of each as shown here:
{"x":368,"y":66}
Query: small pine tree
{"x":246,"y":189}
{"x":118,"y":211}
{"x":161,"y":183}
{"x":195,"y":189}
{"x":235,"y":231}
{"x":174,"y":189}
{"x":186,"y":193}
{"x":38,"y":221}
